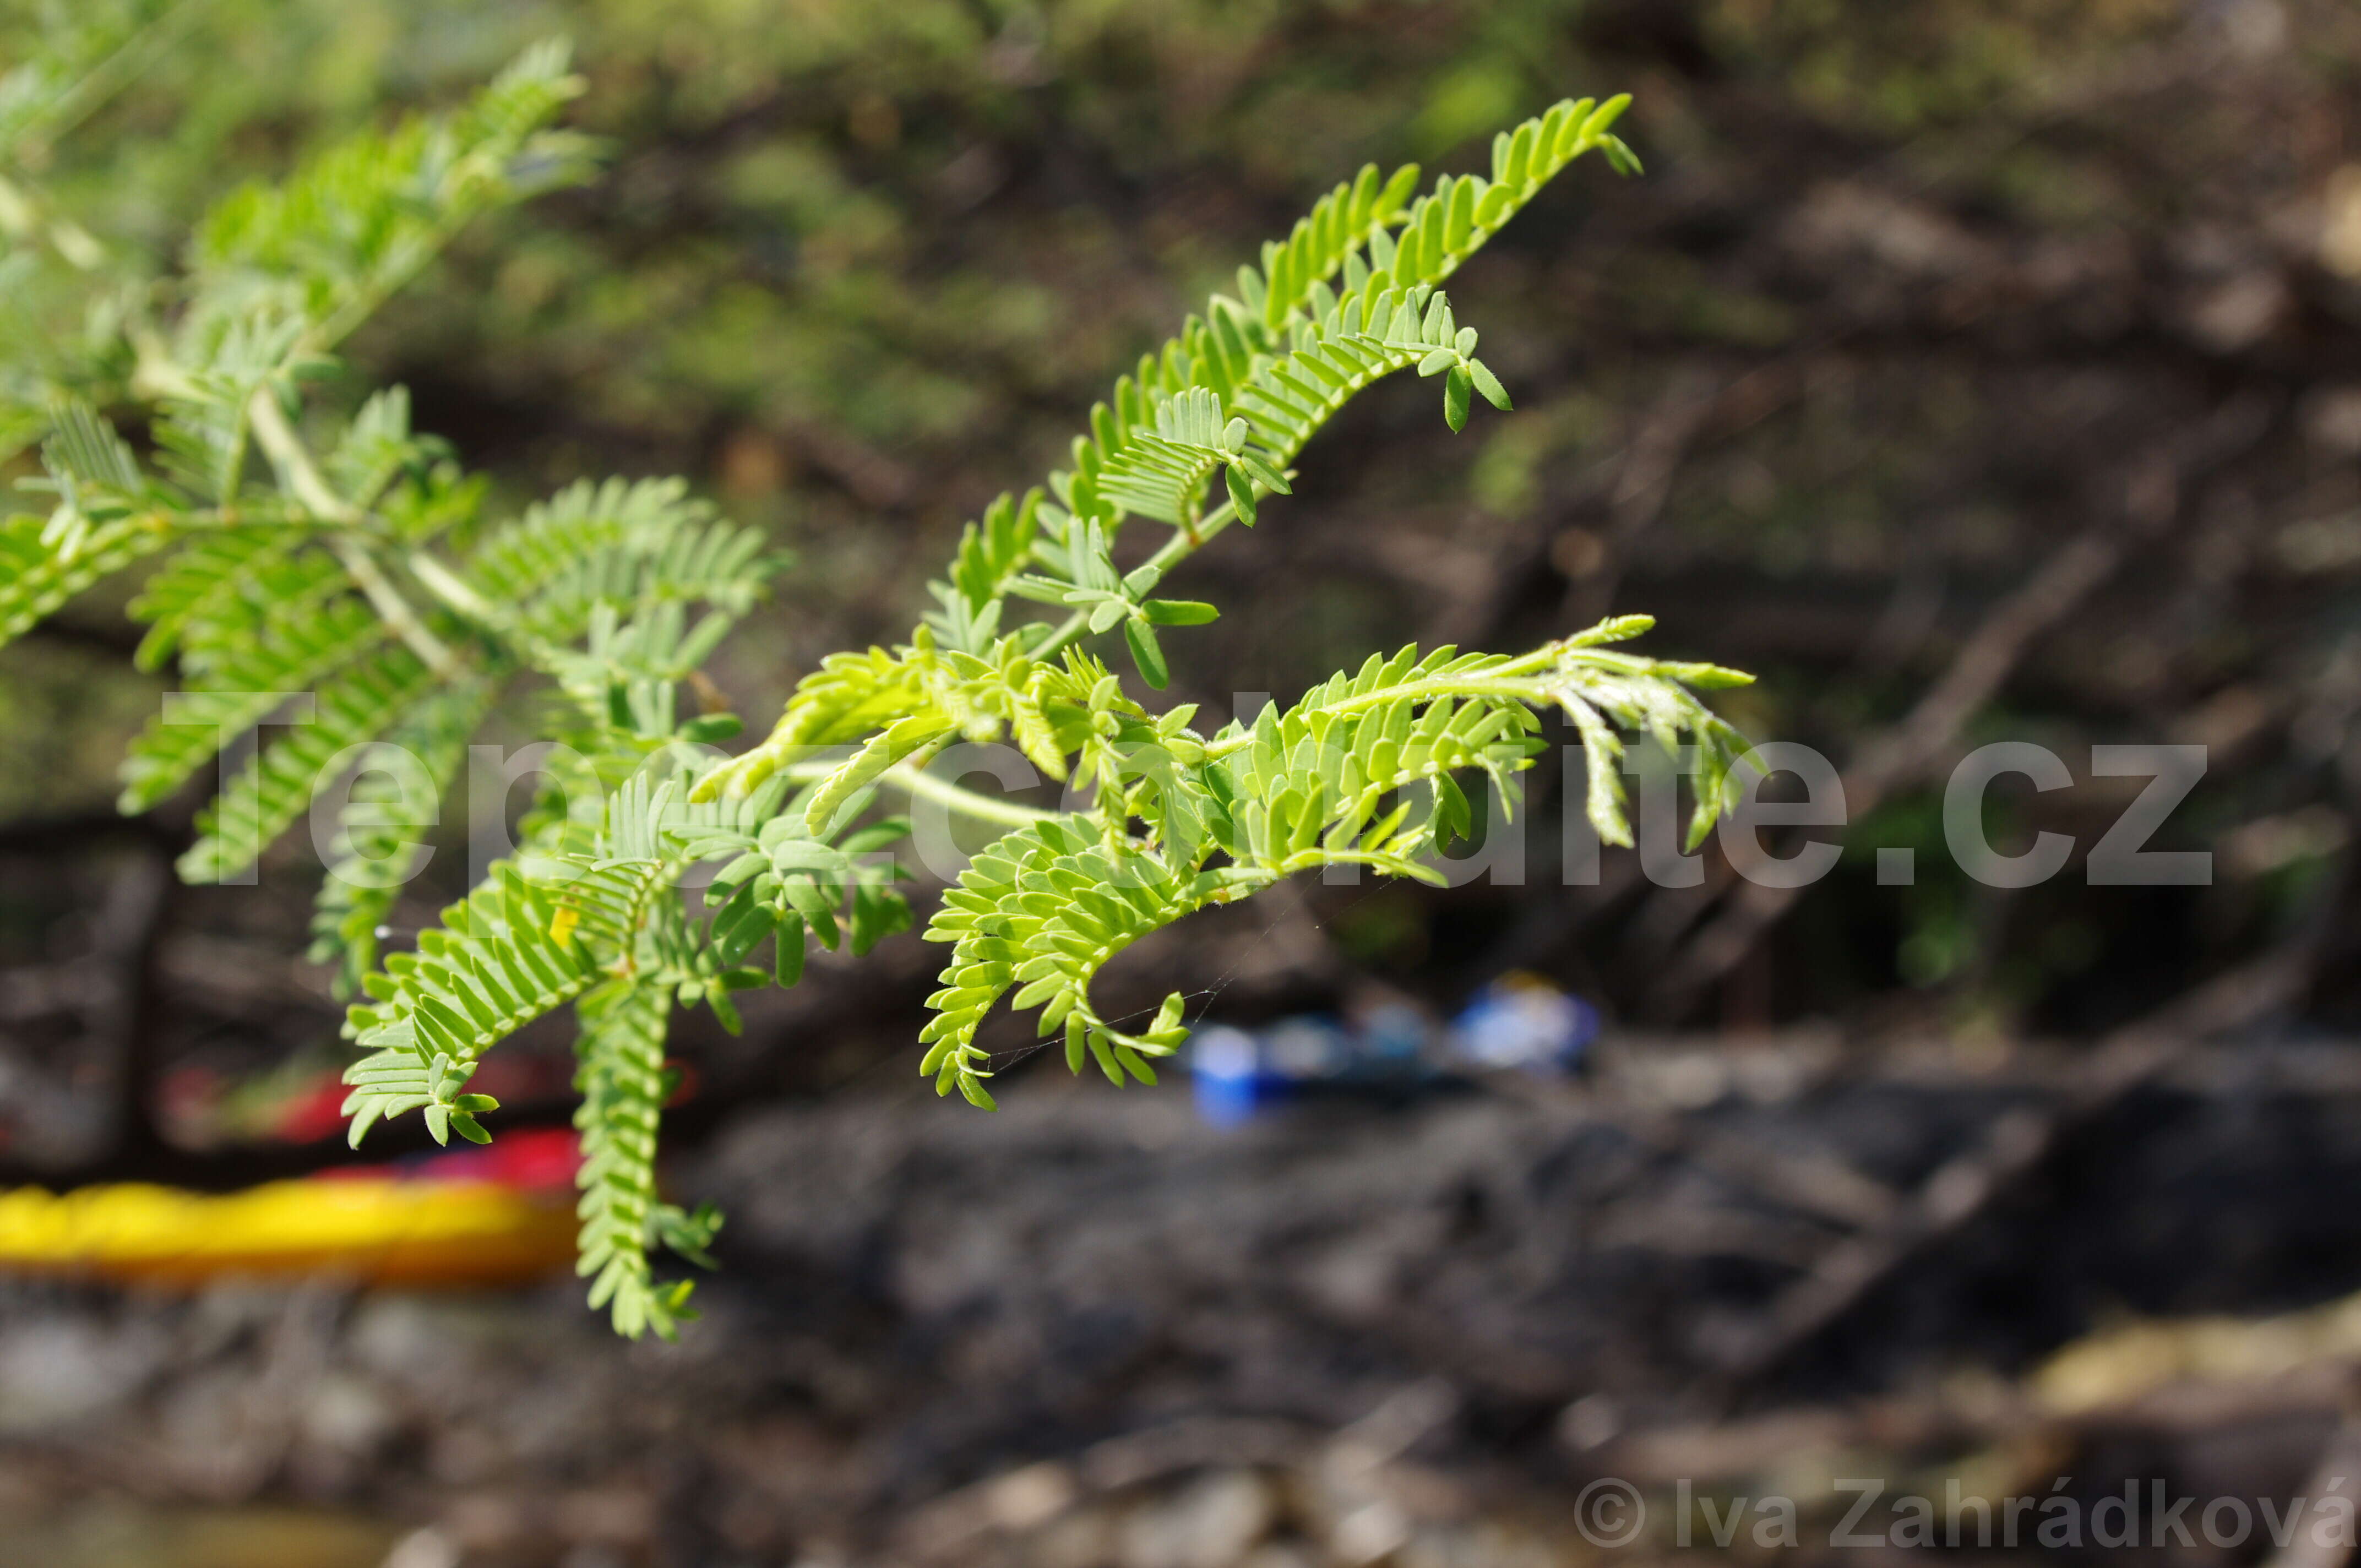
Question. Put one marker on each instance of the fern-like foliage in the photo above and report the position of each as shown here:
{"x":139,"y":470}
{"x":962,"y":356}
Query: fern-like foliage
{"x":328,"y":582}
{"x":375,"y":850}
{"x":1240,"y":390}
{"x":322,"y":248}
{"x":336,"y":580}
{"x":624,"y":1083}
{"x":105,"y":516}
{"x":1334,"y":780}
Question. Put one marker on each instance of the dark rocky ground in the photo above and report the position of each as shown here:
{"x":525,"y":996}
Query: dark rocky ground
{"x":1092,"y":1329}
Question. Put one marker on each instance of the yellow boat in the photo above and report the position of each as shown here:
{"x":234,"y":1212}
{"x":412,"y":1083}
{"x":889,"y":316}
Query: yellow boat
{"x":367,"y":1229}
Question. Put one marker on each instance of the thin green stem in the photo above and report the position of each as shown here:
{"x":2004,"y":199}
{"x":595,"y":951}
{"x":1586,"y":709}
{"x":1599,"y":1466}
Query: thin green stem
{"x":26,"y":214}
{"x":394,"y":609}
{"x":293,"y":460}
{"x":457,"y":595}
{"x":373,"y":291}
{"x":983,"y":807}
{"x":304,"y":482}
{"x":1315,"y":858}
{"x":1173,"y":551}
{"x":916,"y":781}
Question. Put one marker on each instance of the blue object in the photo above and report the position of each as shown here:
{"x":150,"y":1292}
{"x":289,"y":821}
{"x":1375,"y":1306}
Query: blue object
{"x":1394,"y":1036}
{"x":1518,"y":1021}
{"x":1306,"y":1048}
{"x":1225,"y":1074}
{"x":1523,"y":1021}
{"x":1235,"y":1074}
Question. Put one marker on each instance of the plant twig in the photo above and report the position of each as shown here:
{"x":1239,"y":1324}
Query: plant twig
{"x":916,"y":781}
{"x":982,"y":807}
{"x":306,"y":483}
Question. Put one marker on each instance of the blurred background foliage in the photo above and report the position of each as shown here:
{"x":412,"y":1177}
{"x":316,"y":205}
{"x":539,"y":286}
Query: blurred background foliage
{"x":1913,"y":297}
